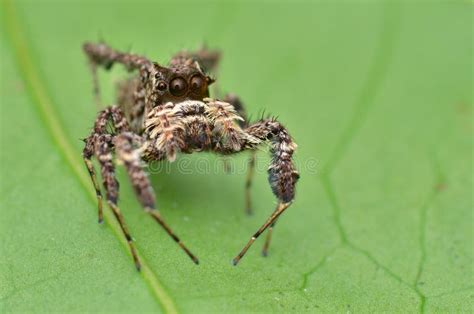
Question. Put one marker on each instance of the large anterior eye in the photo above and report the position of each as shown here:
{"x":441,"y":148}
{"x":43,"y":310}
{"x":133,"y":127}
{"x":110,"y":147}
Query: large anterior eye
{"x":178,"y":86}
{"x":198,"y":84}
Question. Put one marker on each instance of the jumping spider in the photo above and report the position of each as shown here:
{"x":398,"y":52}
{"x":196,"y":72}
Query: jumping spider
{"x":163,"y":111}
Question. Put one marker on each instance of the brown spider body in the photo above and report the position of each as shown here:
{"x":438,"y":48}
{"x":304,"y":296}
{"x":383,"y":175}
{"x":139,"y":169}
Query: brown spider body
{"x":167,"y":110}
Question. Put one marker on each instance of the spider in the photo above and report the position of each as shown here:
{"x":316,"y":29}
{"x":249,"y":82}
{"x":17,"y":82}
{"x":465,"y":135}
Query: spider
{"x":165,"y":110}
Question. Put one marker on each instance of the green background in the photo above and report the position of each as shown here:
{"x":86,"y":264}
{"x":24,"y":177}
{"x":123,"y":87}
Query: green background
{"x":378,"y":94}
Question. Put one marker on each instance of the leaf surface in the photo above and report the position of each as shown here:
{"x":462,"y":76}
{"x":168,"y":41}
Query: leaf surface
{"x":379,"y":96}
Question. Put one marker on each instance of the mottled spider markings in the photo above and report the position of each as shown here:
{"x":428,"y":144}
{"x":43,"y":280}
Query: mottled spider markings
{"x":163,"y":111}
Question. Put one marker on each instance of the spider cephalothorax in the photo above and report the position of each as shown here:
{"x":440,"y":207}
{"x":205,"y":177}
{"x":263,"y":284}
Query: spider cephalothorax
{"x":183,"y":80}
{"x":164,"y":111}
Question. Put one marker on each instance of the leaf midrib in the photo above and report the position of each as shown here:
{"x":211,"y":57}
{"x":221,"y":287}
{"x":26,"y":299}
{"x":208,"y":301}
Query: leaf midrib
{"x":42,"y":101}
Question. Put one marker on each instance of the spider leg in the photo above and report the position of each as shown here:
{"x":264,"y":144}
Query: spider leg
{"x":207,"y":59}
{"x":282,"y":173}
{"x":100,"y":128}
{"x":100,"y":144}
{"x":95,"y":83}
{"x":249,"y":181}
{"x":268,"y":239}
{"x":230,"y":138}
{"x":98,"y":193}
{"x":104,"y":155}
{"x":131,"y":98}
{"x":281,"y":207}
{"x":239,"y":107}
{"x":130,"y":156}
{"x":102,"y":55}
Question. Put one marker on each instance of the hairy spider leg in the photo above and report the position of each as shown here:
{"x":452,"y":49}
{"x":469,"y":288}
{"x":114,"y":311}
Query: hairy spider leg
{"x":239,"y":106}
{"x":100,"y":144}
{"x":102,"y":55}
{"x":118,"y":215}
{"x":100,"y":128}
{"x":104,"y":155}
{"x":281,"y":207}
{"x":248,"y":182}
{"x":268,"y":239}
{"x":98,"y":193}
{"x":95,"y":84}
{"x":130,"y":157}
{"x":282,"y":173}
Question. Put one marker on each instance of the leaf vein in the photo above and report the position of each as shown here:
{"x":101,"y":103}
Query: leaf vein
{"x":315,"y":269}
{"x":375,"y":77}
{"x":439,"y":179}
{"x":362,"y":107}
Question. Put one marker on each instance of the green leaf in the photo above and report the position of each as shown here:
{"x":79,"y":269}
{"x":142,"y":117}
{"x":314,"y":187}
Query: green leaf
{"x":378,"y":94}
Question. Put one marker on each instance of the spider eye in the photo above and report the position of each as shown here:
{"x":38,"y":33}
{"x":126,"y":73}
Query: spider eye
{"x":197,"y":83}
{"x":178,"y":86}
{"x":161,"y":86}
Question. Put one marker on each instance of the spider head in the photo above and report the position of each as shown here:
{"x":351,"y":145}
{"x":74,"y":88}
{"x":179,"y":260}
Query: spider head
{"x":182,"y":80}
